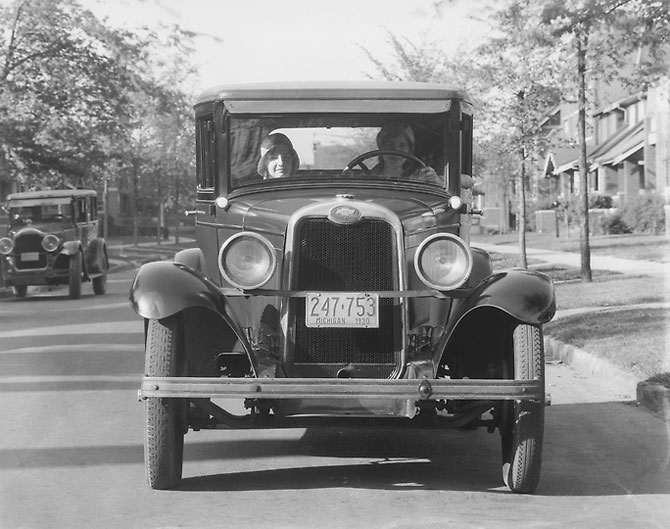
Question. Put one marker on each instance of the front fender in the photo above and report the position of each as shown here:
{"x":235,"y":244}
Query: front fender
{"x":482,"y":266}
{"x":526,"y":295}
{"x":474,"y":330}
{"x":70,"y":248}
{"x":191,"y":257}
{"x":96,"y":257}
{"x":164,"y":288}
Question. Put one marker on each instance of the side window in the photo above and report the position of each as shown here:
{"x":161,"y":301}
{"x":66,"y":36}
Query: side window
{"x":81,"y":204}
{"x":206,"y":148}
{"x":466,"y":144}
{"x":93,"y":208}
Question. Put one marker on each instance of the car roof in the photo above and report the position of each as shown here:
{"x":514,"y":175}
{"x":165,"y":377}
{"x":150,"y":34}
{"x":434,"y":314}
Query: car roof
{"x":52,"y":193}
{"x":332,"y":90}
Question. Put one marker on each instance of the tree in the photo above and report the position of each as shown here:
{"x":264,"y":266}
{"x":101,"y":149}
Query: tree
{"x":62,"y":90}
{"x":77,"y":97}
{"x":540,"y":52}
{"x":156,"y":151}
{"x":509,"y":83}
{"x":598,"y":37}
{"x":521,"y":87}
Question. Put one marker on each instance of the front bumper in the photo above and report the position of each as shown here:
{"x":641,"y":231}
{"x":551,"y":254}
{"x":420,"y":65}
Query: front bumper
{"x":50,"y":274}
{"x":303,"y":388}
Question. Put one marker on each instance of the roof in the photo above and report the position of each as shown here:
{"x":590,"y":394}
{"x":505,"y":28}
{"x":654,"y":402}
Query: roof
{"x":620,"y":146}
{"x":560,"y":160}
{"x":621,"y":103}
{"x":332,"y":90}
{"x":52,"y":193}
{"x":613,"y":151}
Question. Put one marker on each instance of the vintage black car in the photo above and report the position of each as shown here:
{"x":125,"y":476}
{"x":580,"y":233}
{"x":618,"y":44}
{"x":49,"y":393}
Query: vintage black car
{"x":339,"y":289}
{"x":53,"y":239}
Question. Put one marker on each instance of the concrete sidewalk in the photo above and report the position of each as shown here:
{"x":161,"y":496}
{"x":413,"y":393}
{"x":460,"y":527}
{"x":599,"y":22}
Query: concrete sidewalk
{"x":598,"y":262}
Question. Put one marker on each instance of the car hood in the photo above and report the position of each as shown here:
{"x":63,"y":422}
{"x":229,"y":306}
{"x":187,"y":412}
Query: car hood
{"x":37,"y":230}
{"x":270,"y":213}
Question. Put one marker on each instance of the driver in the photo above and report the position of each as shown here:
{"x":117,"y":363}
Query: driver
{"x":399,"y":136}
{"x":278,"y":157}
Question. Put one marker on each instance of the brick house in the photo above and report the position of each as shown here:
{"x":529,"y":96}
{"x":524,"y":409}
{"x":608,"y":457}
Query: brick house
{"x":628,"y":148}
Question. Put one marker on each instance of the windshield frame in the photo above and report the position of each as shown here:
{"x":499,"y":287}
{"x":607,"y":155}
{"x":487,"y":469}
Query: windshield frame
{"x":67,"y":219}
{"x":429,"y":126}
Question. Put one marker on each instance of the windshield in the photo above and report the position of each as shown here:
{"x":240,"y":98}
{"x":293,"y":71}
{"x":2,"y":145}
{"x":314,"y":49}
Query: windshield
{"x":263,"y":149}
{"x":45,"y":213}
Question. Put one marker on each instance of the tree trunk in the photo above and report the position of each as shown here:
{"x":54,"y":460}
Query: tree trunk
{"x":105,"y":209}
{"x":136,"y":198}
{"x":523,"y":258}
{"x":176,"y":208}
{"x":159,"y":214}
{"x":585,"y":247}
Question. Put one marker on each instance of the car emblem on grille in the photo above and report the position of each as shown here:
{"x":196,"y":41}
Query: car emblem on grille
{"x":344,"y":215}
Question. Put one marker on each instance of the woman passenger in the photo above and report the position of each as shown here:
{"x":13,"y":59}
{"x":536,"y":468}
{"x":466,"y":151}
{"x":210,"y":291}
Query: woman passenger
{"x":278,"y":157}
{"x":399,"y":136}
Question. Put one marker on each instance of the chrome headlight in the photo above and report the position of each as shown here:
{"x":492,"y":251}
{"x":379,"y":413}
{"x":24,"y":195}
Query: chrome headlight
{"x":6,"y":246}
{"x":50,"y":243}
{"x":443,"y":261}
{"x":247,"y":260}
{"x":456,"y":202}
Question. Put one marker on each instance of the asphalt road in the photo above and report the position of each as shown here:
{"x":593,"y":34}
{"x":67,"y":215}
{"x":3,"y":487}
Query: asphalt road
{"x":71,"y":449}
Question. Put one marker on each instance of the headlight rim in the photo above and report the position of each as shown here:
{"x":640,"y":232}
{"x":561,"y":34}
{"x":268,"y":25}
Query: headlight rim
{"x":270,"y":250}
{"x":10,"y":247}
{"x":50,"y":236}
{"x":459,"y":242}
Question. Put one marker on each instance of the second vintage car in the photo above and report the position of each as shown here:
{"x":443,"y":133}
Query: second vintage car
{"x":52,"y":240}
{"x":334,"y":283}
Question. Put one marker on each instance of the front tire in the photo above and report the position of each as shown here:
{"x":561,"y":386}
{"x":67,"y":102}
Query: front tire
{"x":522,"y":422}
{"x":166,"y":421}
{"x":100,"y":284}
{"x":75,"y":276}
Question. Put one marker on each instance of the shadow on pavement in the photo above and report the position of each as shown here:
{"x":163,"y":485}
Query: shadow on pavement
{"x":582,"y":458}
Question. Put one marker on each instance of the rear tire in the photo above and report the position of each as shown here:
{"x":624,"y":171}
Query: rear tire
{"x":522,"y":422}
{"x":166,"y":421}
{"x":75,"y":276}
{"x":20,"y":291}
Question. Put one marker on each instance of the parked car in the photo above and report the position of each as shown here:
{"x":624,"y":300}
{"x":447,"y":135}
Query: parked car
{"x":339,"y":293}
{"x":53,"y":239}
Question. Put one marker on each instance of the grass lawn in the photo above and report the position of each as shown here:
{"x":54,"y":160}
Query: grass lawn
{"x":633,"y":339}
{"x":637,"y":340}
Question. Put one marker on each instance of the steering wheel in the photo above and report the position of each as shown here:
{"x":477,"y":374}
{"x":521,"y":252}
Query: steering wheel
{"x":358,"y":161}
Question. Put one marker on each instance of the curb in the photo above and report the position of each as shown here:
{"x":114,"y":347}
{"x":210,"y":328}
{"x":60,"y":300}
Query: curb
{"x":655,"y":397}
{"x":652,"y":396}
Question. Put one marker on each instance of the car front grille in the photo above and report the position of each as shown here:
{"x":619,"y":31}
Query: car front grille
{"x":357,"y":258}
{"x":29,"y":243}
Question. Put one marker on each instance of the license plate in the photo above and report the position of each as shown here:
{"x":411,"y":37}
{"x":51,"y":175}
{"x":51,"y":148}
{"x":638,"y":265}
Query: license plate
{"x":30,"y":256}
{"x":342,"y":309}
